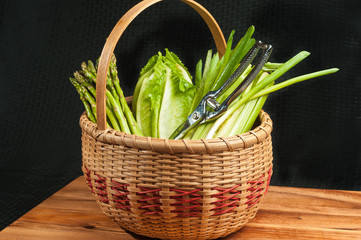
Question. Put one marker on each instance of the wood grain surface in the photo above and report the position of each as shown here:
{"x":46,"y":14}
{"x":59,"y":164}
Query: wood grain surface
{"x":286,"y":213}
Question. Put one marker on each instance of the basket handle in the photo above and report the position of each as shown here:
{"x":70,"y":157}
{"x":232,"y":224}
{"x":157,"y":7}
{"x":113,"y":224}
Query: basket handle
{"x":118,"y":30}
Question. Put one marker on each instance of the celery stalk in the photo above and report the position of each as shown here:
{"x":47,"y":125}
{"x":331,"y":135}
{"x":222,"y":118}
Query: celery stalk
{"x":248,"y":124}
{"x":229,"y":124}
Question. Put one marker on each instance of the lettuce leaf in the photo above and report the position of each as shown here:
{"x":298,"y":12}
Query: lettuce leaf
{"x":178,"y":96}
{"x":147,"y":70}
{"x":149,"y":99}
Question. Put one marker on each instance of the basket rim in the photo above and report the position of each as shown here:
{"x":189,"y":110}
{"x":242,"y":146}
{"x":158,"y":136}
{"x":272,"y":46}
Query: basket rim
{"x":210,"y":146}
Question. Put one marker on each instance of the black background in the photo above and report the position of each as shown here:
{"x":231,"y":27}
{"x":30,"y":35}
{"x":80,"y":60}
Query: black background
{"x":317,"y":124}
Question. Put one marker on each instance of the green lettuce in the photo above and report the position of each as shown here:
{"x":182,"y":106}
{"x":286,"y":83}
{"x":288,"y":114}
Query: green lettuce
{"x":177,"y":98}
{"x":163,"y":95}
{"x":149,"y":98}
{"x":147,"y":70}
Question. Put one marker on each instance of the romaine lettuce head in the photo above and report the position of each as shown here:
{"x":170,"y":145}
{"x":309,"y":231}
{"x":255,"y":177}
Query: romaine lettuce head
{"x":163,"y":95}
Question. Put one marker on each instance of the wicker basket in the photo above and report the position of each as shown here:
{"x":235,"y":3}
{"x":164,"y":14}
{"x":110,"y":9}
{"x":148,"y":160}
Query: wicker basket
{"x":174,"y":189}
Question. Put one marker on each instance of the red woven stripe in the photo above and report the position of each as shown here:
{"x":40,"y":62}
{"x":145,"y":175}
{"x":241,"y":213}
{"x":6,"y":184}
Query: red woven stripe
{"x":121,"y":196}
{"x":183,"y":193}
{"x":268,"y":180}
{"x":149,"y":201}
{"x":257,"y":188}
{"x":101,"y":186}
{"x":88,"y":179}
{"x":224,"y":211}
{"x":187,"y":203}
{"x":227,"y":200}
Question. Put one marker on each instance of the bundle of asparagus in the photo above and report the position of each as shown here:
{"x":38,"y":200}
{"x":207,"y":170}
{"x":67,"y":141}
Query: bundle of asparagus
{"x":119,"y":115}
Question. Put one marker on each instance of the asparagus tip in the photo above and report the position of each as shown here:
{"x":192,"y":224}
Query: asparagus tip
{"x":83,"y":66}
{"x":79,"y":77}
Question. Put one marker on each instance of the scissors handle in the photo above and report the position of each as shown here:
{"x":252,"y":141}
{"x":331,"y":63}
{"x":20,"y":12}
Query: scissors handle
{"x":267,"y":50}
{"x":242,"y":67}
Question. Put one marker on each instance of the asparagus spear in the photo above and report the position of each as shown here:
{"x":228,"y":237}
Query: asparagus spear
{"x":134,"y":127}
{"x":92,"y":68}
{"x":83,"y":91}
{"x":87,"y":106}
{"x":88,"y":84}
{"x":90,"y":71}
{"x":81,"y":80}
{"x":111,"y":97}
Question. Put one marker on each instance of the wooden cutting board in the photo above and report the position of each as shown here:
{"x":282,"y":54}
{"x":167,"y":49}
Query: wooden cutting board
{"x":286,"y":213}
